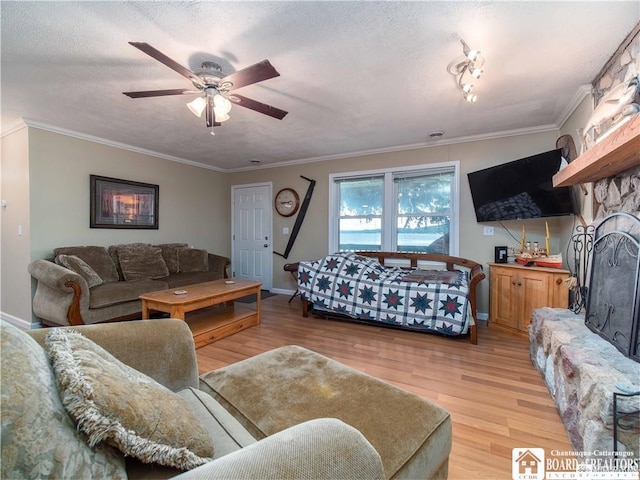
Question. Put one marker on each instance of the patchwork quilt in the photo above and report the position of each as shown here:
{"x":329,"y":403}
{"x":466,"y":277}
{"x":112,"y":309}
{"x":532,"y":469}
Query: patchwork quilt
{"x":362,"y":288}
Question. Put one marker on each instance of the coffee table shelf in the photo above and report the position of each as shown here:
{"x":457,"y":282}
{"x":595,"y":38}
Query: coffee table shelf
{"x":214,"y":315}
{"x":213,"y":323}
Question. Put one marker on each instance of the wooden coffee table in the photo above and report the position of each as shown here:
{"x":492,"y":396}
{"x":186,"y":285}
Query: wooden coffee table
{"x":218,"y":316}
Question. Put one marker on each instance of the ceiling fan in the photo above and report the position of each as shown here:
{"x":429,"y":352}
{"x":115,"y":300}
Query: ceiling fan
{"x":216,"y":87}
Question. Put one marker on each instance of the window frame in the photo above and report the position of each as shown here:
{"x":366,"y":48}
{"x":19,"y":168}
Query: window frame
{"x":389,"y":203}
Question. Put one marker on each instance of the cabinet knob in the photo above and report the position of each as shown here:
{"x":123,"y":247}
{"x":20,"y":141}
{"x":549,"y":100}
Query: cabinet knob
{"x":558,"y":281}
{"x":513,"y":283}
{"x":519,"y":284}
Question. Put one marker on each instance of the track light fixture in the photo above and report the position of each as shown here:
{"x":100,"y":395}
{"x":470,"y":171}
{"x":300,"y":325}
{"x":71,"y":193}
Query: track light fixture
{"x":466,"y":69}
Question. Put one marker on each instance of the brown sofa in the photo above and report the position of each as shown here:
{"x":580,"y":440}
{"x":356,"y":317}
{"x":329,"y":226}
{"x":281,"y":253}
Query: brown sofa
{"x":94,"y":284}
{"x":286,"y":413}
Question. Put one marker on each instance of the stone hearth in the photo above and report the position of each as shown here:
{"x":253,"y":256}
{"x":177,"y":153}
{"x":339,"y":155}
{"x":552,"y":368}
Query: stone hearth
{"x":581,"y":371}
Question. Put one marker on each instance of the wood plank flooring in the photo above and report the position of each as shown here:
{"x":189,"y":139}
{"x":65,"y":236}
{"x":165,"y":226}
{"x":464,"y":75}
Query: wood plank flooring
{"x":497,"y":399}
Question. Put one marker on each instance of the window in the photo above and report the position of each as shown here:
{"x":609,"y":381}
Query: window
{"x":406,"y":209}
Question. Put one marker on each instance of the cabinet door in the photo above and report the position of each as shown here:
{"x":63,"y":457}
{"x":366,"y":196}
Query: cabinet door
{"x":534,"y":291}
{"x":502,"y":299}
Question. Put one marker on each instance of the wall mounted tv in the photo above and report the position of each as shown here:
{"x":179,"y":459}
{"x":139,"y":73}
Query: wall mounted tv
{"x":521,"y":189}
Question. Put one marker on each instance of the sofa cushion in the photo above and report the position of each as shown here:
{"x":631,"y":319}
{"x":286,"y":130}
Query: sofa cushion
{"x":170,"y":255}
{"x":81,"y":268}
{"x":96,"y":257}
{"x":115,"y":293}
{"x":39,"y":439}
{"x":139,"y":261}
{"x":113,"y":253}
{"x":225,"y":431}
{"x":192,"y":260}
{"x":116,"y":404}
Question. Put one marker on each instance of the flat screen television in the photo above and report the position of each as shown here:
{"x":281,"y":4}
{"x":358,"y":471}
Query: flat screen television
{"x":521,"y":189}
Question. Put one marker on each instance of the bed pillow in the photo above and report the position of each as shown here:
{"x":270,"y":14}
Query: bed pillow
{"x":81,"y":268}
{"x":141,"y":261}
{"x":113,"y":403}
{"x":39,"y":440}
{"x":192,"y":260}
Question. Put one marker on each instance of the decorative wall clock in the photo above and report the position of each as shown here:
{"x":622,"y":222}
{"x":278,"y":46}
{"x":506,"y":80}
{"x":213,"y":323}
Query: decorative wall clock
{"x":287,"y":202}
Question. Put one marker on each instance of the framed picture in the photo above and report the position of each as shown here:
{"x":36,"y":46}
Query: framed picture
{"x":117,"y":203}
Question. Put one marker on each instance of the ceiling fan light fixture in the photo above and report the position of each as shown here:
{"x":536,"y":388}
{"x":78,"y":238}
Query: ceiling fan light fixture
{"x":197,"y":106}
{"x":215,"y":86}
{"x":221,"y":104}
{"x":221,"y":116}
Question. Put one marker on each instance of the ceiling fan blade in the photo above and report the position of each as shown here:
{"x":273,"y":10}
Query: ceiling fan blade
{"x":162,"y":58}
{"x":160,"y":93}
{"x":253,"y":74}
{"x":258,"y":106}
{"x":210,"y":114}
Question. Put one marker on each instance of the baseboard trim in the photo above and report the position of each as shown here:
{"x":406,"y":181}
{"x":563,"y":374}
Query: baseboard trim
{"x":282,"y":291}
{"x":18,"y":322}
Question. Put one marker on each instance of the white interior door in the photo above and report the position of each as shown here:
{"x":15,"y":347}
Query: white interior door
{"x":251,"y":237}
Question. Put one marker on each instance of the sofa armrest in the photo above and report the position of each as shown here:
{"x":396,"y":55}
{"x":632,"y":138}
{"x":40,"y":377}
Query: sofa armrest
{"x":219,"y":264}
{"x":324,"y":448}
{"x":61,"y":294}
{"x":162,"y":349}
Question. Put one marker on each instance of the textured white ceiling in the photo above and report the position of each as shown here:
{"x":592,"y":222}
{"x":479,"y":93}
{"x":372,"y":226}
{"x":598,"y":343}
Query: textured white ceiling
{"x":355,"y":76}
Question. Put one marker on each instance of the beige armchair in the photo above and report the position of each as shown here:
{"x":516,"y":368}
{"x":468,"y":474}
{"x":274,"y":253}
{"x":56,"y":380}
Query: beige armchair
{"x":280,"y":437}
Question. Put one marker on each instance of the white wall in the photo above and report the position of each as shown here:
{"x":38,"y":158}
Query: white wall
{"x":54,"y":203}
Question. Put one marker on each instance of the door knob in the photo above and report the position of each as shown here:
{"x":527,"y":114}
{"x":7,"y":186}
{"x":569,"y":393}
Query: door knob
{"x":266,"y":245}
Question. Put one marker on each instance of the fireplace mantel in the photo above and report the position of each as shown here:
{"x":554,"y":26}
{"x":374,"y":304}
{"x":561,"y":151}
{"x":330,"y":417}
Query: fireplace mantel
{"x":614,"y":154}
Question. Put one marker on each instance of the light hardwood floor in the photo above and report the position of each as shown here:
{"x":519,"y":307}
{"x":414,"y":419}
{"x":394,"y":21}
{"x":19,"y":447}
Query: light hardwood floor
{"x":496,"y":398}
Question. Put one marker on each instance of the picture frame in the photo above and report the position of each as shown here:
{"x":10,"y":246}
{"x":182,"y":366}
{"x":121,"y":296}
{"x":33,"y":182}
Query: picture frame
{"x":117,"y":203}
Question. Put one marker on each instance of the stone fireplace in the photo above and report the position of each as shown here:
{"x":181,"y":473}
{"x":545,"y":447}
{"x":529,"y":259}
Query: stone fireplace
{"x":589,"y":358}
{"x":613,"y":301}
{"x":583,"y":371}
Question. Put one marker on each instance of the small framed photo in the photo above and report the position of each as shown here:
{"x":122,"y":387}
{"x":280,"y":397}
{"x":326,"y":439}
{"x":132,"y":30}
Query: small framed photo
{"x":117,"y":203}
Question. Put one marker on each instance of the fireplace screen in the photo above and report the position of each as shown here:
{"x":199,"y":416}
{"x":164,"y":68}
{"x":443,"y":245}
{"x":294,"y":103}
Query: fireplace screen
{"x":613,"y":304}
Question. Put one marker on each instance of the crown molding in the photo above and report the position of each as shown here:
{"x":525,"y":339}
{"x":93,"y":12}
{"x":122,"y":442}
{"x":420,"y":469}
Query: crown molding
{"x":12,"y":128}
{"x":361,"y":153}
{"x":413,"y":146}
{"x":123,"y":146}
{"x":582,"y":92}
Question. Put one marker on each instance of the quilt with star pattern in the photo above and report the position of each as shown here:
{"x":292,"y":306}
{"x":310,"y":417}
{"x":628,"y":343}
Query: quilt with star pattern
{"x":362,"y":288}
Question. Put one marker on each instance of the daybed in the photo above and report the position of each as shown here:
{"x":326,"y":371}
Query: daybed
{"x":94,"y":284}
{"x":286,"y":413}
{"x":371,"y":287}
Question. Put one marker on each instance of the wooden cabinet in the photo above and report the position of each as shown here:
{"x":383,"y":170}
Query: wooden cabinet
{"x":515,"y":291}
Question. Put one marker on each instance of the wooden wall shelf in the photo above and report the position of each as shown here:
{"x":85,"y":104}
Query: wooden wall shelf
{"x":614,"y":154}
